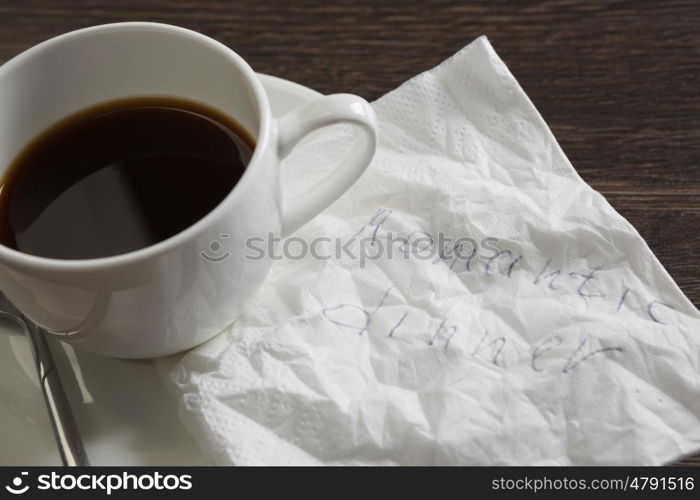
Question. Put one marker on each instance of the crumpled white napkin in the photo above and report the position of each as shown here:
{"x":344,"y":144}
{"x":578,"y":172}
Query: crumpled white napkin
{"x":564,"y":341}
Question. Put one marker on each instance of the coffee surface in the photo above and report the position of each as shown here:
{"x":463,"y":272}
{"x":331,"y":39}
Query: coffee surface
{"x":120,"y":176}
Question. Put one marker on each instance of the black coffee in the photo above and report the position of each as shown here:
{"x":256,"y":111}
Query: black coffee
{"x":120,"y":176}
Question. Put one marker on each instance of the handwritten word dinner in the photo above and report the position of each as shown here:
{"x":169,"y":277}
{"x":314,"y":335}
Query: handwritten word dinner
{"x":503,"y":264}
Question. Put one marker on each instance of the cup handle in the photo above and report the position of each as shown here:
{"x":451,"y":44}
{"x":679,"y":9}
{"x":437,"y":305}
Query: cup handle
{"x":295,"y":125}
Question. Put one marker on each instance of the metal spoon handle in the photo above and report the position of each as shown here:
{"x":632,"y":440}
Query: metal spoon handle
{"x":70,"y":444}
{"x":65,"y":430}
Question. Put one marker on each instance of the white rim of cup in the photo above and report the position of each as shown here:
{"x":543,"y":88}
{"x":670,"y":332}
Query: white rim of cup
{"x":45,"y":263}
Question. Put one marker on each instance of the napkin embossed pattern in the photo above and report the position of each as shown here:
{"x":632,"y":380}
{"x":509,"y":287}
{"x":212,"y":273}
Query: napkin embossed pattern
{"x":560,"y":340}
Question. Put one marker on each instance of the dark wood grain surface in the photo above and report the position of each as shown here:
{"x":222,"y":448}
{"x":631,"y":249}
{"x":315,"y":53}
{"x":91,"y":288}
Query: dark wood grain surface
{"x":618,"y":82}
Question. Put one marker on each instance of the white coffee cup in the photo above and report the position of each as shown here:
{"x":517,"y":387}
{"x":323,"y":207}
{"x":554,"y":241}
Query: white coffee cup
{"x":166,"y":297}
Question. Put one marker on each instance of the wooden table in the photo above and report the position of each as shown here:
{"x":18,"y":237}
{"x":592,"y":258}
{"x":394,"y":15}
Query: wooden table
{"x":616,"y":81}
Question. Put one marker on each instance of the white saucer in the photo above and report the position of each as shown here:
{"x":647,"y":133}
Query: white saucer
{"x":125,"y":414}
